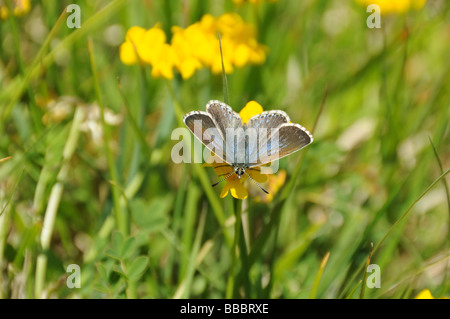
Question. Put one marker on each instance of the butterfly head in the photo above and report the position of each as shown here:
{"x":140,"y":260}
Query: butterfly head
{"x":239,"y":170}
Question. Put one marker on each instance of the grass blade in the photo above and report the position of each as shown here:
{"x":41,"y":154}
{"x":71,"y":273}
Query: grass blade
{"x":120,"y":216}
{"x":315,"y":286}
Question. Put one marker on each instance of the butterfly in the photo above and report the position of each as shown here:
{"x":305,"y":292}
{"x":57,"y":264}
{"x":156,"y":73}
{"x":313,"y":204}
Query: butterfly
{"x":266,"y":137}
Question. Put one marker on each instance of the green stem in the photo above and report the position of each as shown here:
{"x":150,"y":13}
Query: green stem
{"x":121,"y":218}
{"x":315,"y":286}
{"x":234,"y":250}
{"x":226,"y":97}
{"x":54,"y":200}
{"x":134,"y":124}
{"x":361,"y":295}
{"x":244,"y":253}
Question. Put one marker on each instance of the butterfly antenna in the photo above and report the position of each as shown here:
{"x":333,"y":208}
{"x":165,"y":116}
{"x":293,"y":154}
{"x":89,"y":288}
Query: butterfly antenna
{"x":223,"y":179}
{"x":257,"y":184}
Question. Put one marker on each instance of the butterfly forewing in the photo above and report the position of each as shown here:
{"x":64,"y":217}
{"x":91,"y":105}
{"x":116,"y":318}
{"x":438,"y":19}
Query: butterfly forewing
{"x":206,"y":131}
{"x":223,"y":115}
{"x":229,"y":124}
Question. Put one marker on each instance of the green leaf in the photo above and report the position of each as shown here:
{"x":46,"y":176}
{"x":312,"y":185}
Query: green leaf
{"x":121,"y":248}
{"x":128,"y":248}
{"x":105,"y":268}
{"x":137,"y":268}
{"x":102,"y":271}
{"x":119,"y":270}
{"x":151,"y":216}
{"x":100,"y":287}
{"x":112,"y":253}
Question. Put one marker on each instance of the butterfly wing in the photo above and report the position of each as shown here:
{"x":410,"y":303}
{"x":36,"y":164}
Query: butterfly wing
{"x":225,"y":118}
{"x":263,"y":124}
{"x":283,"y":141}
{"x":268,"y":119}
{"x":205,"y":129}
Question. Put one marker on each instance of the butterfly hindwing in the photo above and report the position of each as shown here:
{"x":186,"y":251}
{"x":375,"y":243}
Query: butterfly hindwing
{"x":264,"y":124}
{"x":287,"y":139}
{"x":268,"y":119}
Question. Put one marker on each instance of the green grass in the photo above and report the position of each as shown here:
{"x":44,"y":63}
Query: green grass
{"x":141,"y":226}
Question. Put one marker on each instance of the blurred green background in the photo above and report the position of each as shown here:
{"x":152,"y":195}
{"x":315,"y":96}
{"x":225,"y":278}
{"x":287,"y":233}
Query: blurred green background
{"x":86,"y":175}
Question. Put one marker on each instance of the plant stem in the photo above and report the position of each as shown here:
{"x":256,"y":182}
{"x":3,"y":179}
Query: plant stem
{"x":54,"y":200}
{"x":234,"y":249}
{"x":361,"y":295}
{"x":226,"y":97}
{"x":120,"y":216}
{"x":319,"y":276}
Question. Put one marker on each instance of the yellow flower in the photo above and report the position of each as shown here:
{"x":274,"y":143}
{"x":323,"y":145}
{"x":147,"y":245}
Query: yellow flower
{"x":194,"y":47}
{"x":233,"y":184}
{"x":19,"y":7}
{"x":395,"y":6}
{"x":239,"y":41}
{"x":426,"y":294}
{"x":149,"y":47}
{"x":197,"y":45}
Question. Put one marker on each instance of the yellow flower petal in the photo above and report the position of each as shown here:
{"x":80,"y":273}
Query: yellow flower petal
{"x":251,"y":109}
{"x":188,"y":67}
{"x":425,"y":294}
{"x":128,"y":54}
{"x":241,"y":55}
{"x":255,"y":173}
{"x":238,"y":190}
{"x":225,"y":190}
{"x":151,"y":44}
{"x":135,"y":35}
{"x":163,"y":61}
